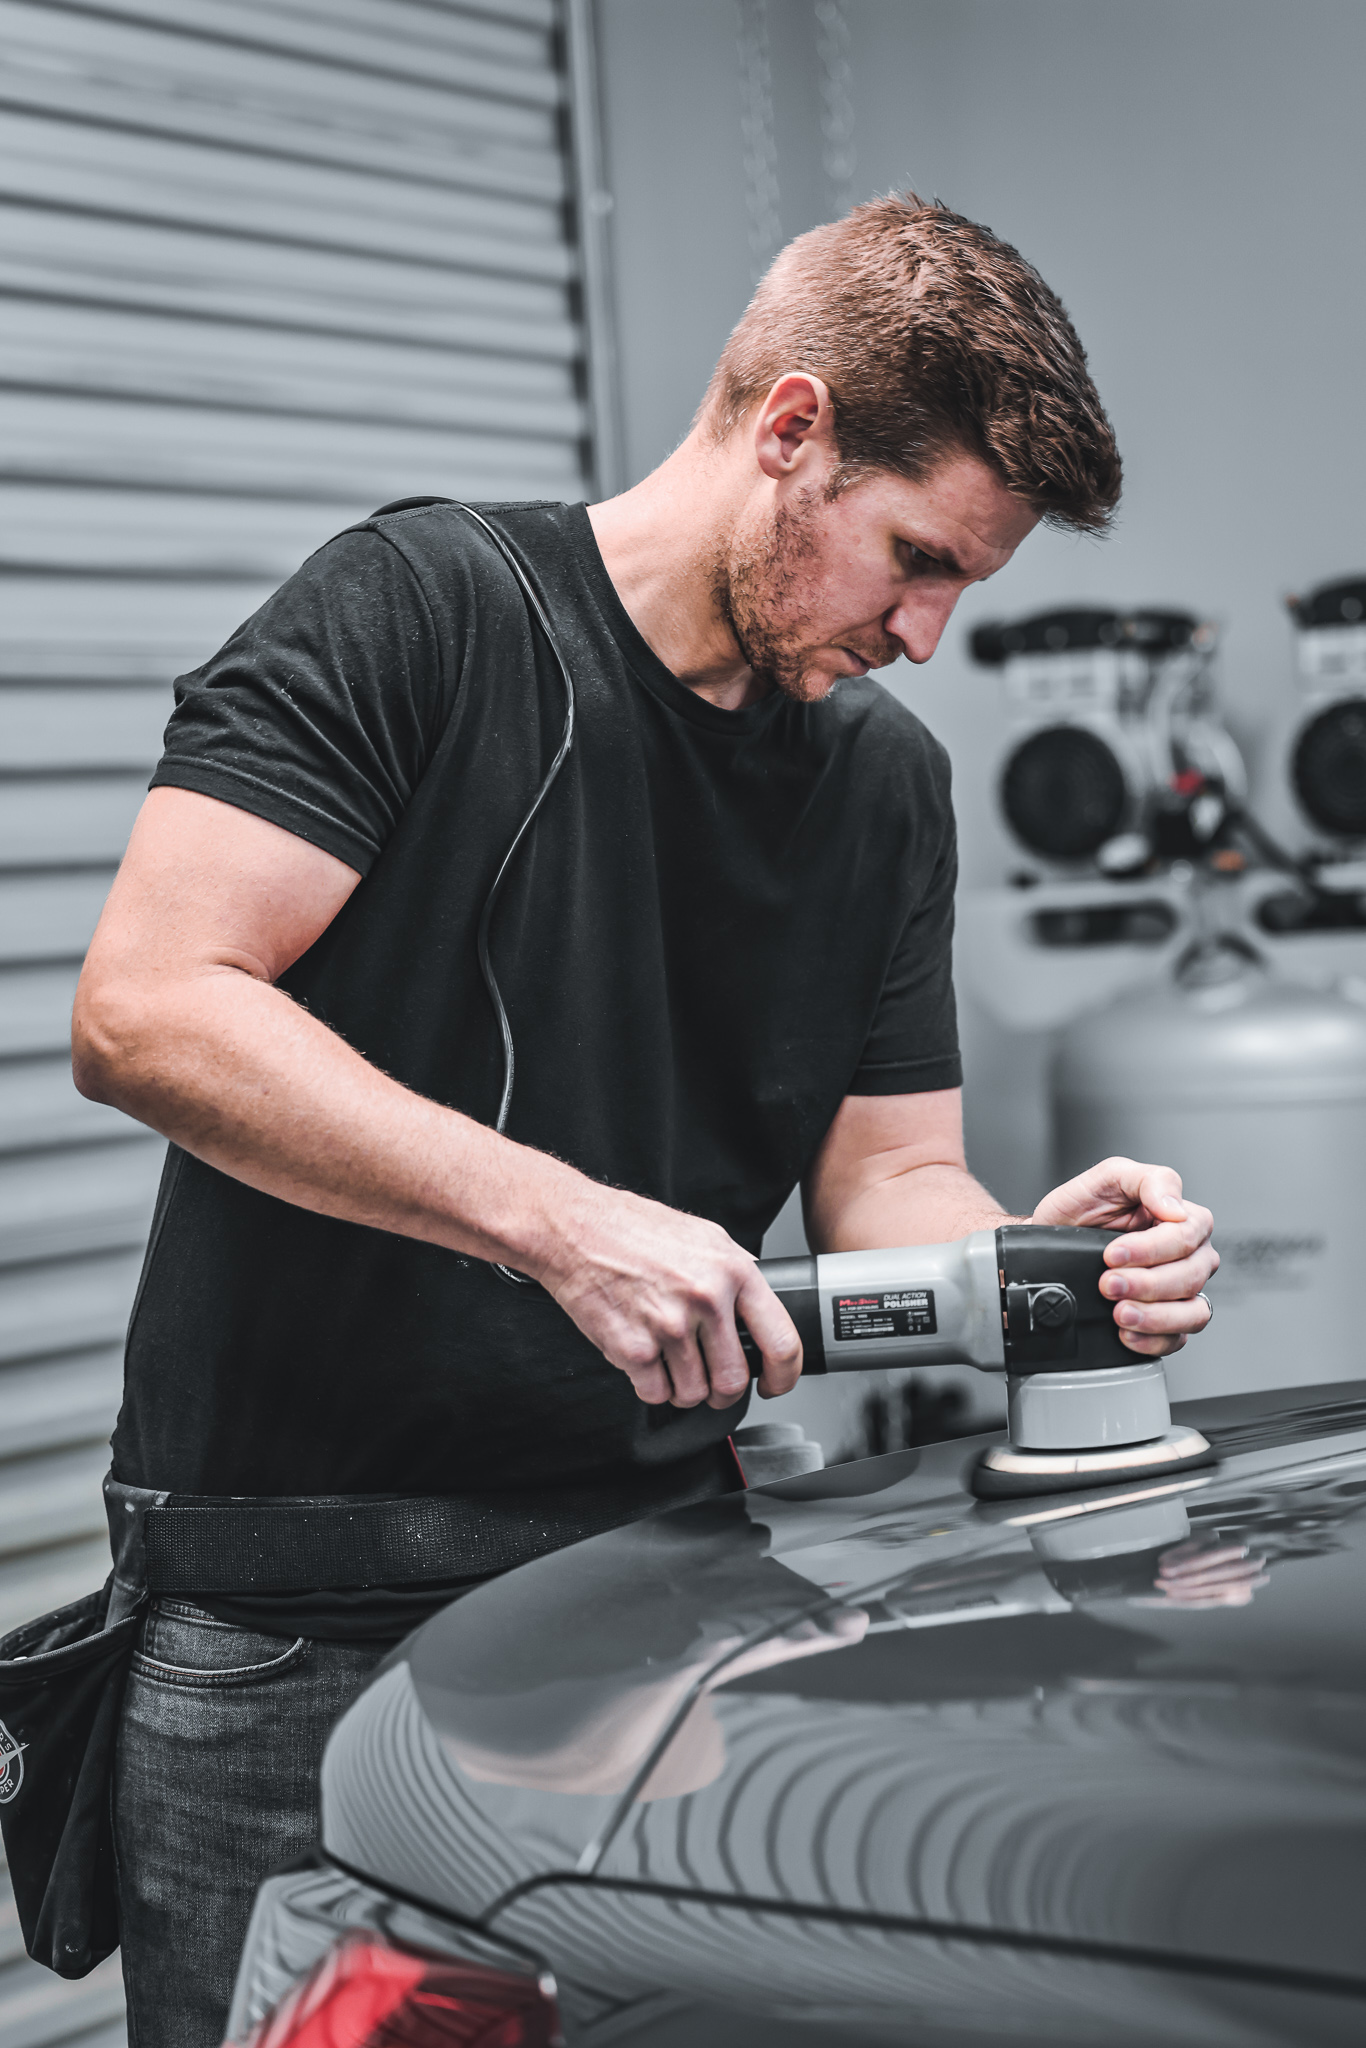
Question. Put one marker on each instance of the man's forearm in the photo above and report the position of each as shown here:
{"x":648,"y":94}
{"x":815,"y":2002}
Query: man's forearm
{"x":233,"y":1070}
{"x":226,"y":1065}
{"x":929,"y":1204}
{"x":179,"y":1021}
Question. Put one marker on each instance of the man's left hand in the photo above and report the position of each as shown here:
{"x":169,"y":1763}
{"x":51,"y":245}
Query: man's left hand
{"x":1157,"y":1271}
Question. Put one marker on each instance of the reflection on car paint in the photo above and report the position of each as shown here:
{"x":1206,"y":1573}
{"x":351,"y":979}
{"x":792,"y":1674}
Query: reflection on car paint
{"x":1132,"y":1719}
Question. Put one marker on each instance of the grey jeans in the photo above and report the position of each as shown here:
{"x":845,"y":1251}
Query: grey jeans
{"x":215,"y":1783}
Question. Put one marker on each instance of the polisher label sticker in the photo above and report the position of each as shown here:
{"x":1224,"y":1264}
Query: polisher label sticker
{"x":908,"y":1312}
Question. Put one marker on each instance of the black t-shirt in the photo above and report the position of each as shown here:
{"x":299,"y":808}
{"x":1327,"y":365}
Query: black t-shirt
{"x":722,"y":923}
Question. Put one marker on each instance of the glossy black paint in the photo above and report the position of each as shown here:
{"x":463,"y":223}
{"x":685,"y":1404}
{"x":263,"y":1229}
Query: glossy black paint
{"x":857,"y":1759}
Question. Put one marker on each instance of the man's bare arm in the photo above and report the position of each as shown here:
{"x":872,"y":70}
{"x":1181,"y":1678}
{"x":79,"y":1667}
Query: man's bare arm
{"x":892,"y":1171}
{"x":178,"y":1022}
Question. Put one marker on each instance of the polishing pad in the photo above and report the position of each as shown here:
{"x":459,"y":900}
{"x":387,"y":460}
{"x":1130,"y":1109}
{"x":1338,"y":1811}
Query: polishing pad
{"x":1006,"y":1472}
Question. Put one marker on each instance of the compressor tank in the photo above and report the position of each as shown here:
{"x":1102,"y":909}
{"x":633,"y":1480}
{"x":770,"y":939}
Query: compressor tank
{"x":1255,"y":1091}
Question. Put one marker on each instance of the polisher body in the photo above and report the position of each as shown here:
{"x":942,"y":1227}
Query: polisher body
{"x":1023,"y":1300}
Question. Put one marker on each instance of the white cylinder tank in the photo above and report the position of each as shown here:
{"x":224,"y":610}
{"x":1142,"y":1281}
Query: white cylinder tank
{"x":1255,"y":1091}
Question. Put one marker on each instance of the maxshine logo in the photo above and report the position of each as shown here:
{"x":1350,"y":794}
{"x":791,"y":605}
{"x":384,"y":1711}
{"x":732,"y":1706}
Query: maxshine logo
{"x":11,"y":1765}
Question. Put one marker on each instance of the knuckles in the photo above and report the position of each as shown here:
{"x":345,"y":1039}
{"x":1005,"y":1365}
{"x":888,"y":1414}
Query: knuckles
{"x":637,"y":1354}
{"x":644,"y":1311}
{"x":1114,"y":1168}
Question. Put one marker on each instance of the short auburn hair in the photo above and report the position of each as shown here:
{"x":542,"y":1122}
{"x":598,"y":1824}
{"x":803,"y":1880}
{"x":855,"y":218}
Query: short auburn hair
{"x":933,"y":336}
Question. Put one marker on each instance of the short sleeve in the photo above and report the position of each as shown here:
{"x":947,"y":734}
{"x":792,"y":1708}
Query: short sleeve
{"x":913,"y":1044}
{"x":321,"y":712}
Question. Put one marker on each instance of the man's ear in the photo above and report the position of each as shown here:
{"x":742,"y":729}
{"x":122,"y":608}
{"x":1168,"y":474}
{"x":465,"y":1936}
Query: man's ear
{"x":795,"y":426}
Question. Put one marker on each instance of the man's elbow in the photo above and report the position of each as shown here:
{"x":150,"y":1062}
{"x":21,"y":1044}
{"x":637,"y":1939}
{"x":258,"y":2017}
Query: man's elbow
{"x":109,"y":1034}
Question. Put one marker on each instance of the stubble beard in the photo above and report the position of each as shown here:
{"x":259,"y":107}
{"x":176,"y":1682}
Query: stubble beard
{"x":759,"y":590}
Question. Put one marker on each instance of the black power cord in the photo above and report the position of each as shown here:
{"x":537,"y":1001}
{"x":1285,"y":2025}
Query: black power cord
{"x":1271,"y":851}
{"x":537,"y":612}
{"x":536,"y":609}
{"x":1307,"y":906}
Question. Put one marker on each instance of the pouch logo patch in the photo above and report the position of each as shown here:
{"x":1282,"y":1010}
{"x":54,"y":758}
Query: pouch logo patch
{"x":11,"y":1765}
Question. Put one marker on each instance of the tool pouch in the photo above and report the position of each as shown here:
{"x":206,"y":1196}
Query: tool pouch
{"x":62,"y":1676}
{"x":61,"y":1687}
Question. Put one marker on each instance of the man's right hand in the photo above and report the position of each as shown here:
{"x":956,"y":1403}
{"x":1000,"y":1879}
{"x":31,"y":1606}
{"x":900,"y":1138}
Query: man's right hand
{"x":658,"y":1293}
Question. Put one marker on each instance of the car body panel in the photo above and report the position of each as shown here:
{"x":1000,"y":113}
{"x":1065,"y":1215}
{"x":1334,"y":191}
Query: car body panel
{"x":894,"y":1731}
{"x":723,"y":1976}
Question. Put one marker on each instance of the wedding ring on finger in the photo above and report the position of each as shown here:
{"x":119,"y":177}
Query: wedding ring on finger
{"x":1202,"y":1296}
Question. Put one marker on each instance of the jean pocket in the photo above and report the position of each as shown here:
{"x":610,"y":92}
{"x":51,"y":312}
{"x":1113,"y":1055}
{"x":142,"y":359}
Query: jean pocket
{"x":182,"y":1646}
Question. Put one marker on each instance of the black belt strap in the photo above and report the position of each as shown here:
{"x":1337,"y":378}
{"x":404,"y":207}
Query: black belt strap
{"x":284,"y":1546}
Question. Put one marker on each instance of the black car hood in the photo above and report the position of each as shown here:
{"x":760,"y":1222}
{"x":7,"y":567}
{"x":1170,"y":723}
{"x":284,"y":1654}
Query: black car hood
{"x":864,"y":1692}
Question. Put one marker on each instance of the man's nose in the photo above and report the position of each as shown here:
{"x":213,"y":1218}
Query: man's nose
{"x":918,"y":622}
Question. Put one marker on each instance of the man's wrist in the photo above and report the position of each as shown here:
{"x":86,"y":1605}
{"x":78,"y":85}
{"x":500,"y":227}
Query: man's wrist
{"x":533,"y":1222}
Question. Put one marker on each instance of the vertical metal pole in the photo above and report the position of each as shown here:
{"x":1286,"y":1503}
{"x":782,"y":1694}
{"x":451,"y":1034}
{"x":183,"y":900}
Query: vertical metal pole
{"x":837,"y":107}
{"x":758,"y":134}
{"x":592,"y":209}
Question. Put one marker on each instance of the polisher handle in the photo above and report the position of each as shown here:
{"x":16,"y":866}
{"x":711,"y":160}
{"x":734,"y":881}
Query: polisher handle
{"x":1054,"y":1316}
{"x":1023,"y":1299}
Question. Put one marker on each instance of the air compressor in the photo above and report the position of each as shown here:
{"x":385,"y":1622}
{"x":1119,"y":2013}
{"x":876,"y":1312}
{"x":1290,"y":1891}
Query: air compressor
{"x":1328,"y":753}
{"x":1254,"y":1089}
{"x":1115,"y":752}
{"x":1205,"y":1000}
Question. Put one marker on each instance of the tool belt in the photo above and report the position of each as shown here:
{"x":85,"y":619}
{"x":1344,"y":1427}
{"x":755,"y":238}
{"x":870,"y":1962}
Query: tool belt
{"x":210,"y":1545}
{"x":62,"y":1676}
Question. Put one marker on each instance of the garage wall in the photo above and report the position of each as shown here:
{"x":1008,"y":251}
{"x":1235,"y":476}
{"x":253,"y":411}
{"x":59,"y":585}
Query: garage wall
{"x":263,"y":267}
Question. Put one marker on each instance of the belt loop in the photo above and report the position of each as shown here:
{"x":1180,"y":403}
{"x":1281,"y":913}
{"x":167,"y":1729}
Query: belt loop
{"x":126,"y":1509}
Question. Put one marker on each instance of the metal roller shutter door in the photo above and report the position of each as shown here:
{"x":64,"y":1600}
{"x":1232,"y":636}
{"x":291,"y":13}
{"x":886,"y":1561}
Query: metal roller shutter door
{"x":265,"y":264}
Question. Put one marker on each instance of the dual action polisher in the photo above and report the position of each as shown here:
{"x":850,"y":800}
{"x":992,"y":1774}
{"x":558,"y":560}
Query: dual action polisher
{"x":1024,"y":1300}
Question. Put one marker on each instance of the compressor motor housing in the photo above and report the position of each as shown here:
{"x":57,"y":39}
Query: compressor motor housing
{"x":1115,"y":751}
{"x":1327,"y":756}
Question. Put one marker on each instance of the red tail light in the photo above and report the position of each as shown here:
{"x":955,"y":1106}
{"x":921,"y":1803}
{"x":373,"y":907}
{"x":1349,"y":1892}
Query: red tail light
{"x":364,"y":1994}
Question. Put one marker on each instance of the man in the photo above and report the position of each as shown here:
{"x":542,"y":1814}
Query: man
{"x":724,"y":951}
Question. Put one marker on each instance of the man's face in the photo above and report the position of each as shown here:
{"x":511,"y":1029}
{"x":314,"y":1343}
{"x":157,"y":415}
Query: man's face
{"x":815,"y":589}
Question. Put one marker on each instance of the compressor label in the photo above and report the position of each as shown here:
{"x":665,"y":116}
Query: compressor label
{"x":908,"y":1312}
{"x":1267,"y":1262}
